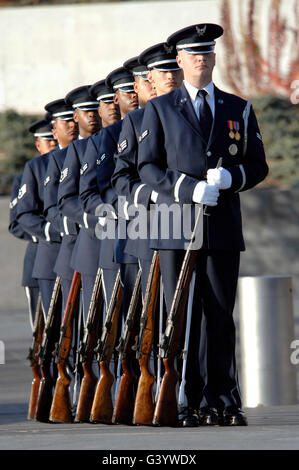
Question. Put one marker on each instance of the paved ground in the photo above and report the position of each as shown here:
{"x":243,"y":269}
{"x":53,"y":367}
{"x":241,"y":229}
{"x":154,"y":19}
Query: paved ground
{"x":273,"y":428}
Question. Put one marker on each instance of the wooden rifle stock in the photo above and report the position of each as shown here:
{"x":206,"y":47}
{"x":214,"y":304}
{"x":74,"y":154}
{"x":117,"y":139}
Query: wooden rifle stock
{"x":37,"y":335}
{"x":102,"y":405}
{"x":87,"y":348}
{"x":144,"y":401}
{"x":45,"y":354}
{"x":61,"y":410}
{"x":124,"y":403}
{"x":166,"y":412}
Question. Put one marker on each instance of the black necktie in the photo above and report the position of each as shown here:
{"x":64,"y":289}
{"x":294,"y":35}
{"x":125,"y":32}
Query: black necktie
{"x":205,"y":115}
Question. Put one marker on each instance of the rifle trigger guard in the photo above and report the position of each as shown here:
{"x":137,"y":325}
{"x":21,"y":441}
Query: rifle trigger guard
{"x":41,"y":354}
{"x":82,"y":351}
{"x":55,"y":351}
{"x":120,"y":347}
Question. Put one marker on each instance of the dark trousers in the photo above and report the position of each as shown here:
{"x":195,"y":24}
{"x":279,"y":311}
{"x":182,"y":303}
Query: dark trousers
{"x":211,"y":375}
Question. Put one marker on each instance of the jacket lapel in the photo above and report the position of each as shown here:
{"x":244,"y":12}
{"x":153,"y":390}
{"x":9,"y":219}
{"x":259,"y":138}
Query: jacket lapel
{"x":220,"y":114}
{"x":186,"y":110}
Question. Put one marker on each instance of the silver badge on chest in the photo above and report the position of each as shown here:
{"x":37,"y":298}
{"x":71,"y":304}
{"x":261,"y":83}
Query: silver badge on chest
{"x":233,"y":149}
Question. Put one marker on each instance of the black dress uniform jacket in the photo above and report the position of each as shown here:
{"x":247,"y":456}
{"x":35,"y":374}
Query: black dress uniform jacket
{"x":16,"y":229}
{"x":105,"y":169}
{"x":174,"y":157}
{"x":51,"y":184}
{"x":86,"y":247}
{"x":91,"y":199}
{"x":30,"y":216}
{"x":126,"y":180}
{"x":53,"y":214}
{"x":115,"y":249}
{"x":96,"y":189}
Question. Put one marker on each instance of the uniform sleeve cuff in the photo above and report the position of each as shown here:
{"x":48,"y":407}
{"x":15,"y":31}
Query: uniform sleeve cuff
{"x":238,"y":178}
{"x":184,"y":189}
{"x":142,"y":195}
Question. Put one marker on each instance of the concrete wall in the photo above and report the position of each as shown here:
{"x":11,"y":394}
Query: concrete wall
{"x":46,"y":51}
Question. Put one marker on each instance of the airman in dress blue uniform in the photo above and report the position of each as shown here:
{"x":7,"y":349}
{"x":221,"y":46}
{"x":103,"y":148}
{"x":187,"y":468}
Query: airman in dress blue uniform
{"x":183,"y":135}
{"x":156,"y":72}
{"x":87,"y":247}
{"x":157,"y":67}
{"x":66,"y":130}
{"x":28,"y":282}
{"x":96,"y":189}
{"x":87,"y":118}
{"x":44,"y":142}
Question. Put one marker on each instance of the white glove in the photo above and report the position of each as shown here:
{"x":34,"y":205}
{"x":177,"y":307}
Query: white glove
{"x":154,"y":196}
{"x":102,"y":221}
{"x":220,"y":177}
{"x":205,"y":194}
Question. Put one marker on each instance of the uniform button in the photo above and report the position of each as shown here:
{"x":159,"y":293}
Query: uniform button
{"x":209,"y":153}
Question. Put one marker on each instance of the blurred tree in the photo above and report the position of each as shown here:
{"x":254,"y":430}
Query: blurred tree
{"x":20,"y":3}
{"x":16,"y":145}
{"x":245,"y":68}
{"x":268,"y":77}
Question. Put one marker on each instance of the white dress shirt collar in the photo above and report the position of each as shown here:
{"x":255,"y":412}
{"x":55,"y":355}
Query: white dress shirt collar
{"x":192,"y":90}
